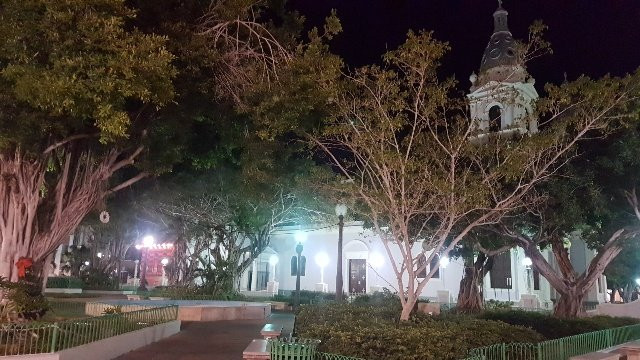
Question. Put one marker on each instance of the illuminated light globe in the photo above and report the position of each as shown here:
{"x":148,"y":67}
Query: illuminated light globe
{"x":638,"y":281}
{"x":148,"y":240}
{"x":138,"y":246}
{"x":527,"y":262}
{"x":300,"y":236}
{"x":86,"y":263}
{"x":376,"y":260}
{"x":273,"y":260}
{"x":444,"y":262}
{"x":99,"y":254}
{"x":322,"y":259}
{"x":164,"y":261}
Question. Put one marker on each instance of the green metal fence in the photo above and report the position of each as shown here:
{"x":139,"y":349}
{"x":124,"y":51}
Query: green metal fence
{"x":38,"y":337}
{"x":558,"y":349}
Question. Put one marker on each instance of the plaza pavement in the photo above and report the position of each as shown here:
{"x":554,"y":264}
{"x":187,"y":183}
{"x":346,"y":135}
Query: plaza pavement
{"x":216,"y":340}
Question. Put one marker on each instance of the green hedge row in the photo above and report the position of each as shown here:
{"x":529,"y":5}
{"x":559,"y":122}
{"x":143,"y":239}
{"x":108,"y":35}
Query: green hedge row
{"x":552,"y":327}
{"x":373,"y":332}
{"x":64,"y":282}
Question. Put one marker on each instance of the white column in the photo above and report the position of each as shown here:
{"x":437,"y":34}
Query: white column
{"x":254,"y":276}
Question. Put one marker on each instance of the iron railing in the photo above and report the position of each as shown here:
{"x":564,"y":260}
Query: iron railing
{"x":558,"y":349}
{"x":38,"y":337}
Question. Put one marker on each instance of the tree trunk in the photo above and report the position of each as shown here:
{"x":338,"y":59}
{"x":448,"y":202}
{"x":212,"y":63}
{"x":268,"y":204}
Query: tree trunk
{"x":408,"y":306}
{"x":32,"y":223}
{"x":470,"y":296}
{"x":570,"y":304}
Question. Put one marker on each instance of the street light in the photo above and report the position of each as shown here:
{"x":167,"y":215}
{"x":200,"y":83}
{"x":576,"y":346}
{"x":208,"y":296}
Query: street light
{"x":376,"y":260}
{"x":164,"y":263}
{"x":341,"y":211}
{"x":300,"y":238}
{"x":527,"y":262}
{"x":147,"y":242}
{"x":322,"y":259}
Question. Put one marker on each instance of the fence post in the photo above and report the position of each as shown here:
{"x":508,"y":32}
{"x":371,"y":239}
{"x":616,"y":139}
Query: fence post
{"x":504,"y":352}
{"x":609,"y":338}
{"x":54,"y":337}
{"x":538,"y":352}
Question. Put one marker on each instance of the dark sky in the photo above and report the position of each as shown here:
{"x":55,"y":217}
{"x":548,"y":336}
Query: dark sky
{"x":592,"y":37}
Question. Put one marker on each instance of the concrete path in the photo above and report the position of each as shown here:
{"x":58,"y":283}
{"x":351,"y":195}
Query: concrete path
{"x":217,"y":340}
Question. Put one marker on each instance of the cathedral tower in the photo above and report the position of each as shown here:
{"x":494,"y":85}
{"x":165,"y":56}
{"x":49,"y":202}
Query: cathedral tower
{"x":502,"y":94}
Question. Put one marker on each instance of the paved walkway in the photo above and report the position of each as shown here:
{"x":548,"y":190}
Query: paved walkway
{"x":217,"y":340}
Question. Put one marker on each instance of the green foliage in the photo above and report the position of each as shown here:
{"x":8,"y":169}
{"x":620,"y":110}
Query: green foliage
{"x":195,"y":293}
{"x":371,"y":333}
{"x":498,"y":305}
{"x":27,"y":298}
{"x":306,"y":297}
{"x":71,"y":65}
{"x":112,"y":310}
{"x":552,"y":327}
{"x":64,"y":282}
{"x":94,"y":279}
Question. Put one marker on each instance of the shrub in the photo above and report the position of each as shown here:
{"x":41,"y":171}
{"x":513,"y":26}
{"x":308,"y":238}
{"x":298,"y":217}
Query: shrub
{"x":368,"y":332}
{"x":552,"y":327}
{"x":26,"y":297}
{"x":97,"y":280}
{"x":64,"y":282}
{"x":113,"y":310}
{"x":498,"y":305}
{"x":306,"y":297}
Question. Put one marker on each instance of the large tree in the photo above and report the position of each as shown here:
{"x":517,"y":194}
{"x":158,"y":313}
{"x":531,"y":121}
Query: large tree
{"x":78,"y":91}
{"x":416,"y":167}
{"x":594,"y":200}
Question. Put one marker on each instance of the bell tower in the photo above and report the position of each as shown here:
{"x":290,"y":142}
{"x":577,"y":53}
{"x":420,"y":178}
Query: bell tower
{"x":502,"y":94}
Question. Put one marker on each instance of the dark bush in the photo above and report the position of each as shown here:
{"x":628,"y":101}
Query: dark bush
{"x":306,"y":297}
{"x":552,"y":327}
{"x":64,"y":282}
{"x":27,"y":297}
{"x":98,"y":280}
{"x":371,"y":332}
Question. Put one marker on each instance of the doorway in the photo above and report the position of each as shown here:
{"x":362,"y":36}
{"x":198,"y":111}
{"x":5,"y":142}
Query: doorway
{"x":357,"y":276}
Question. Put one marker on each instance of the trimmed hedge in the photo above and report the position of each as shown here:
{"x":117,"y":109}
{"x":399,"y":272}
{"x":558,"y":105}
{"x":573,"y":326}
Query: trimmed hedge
{"x":373,"y":332}
{"x":552,"y":327}
{"x":64,"y":282}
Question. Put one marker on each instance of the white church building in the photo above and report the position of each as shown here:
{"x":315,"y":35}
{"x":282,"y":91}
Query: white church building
{"x":501,"y":99}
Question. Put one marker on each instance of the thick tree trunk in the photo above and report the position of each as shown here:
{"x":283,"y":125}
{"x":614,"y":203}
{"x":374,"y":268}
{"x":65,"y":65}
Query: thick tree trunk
{"x":469,"y":295}
{"x":570,"y":305}
{"x":35,"y":219}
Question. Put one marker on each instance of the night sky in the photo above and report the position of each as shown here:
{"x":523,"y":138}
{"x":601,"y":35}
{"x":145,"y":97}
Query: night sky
{"x":591,"y":37}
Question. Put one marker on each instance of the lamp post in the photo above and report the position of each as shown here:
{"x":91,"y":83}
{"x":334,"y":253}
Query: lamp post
{"x":341,"y":211}
{"x":444,"y":262}
{"x":322,"y":260}
{"x":376,"y":260}
{"x":300,"y":237}
{"x":527,"y":265}
{"x":147,"y":242}
{"x":164,"y":263}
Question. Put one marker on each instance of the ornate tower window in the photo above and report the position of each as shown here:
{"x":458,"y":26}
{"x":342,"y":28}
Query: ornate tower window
{"x":495,"y":118}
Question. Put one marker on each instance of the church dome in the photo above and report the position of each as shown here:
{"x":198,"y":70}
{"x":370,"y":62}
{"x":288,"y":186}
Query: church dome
{"x":501,"y":50}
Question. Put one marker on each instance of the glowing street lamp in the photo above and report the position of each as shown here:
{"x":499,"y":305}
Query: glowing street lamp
{"x":164,"y":263}
{"x":527,"y":262}
{"x":444,"y":262}
{"x":322,"y":259}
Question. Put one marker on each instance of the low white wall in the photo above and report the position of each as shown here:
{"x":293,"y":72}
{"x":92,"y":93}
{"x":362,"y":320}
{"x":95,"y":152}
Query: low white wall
{"x":111,"y":347}
{"x":62,"y":291}
{"x":631,"y":309}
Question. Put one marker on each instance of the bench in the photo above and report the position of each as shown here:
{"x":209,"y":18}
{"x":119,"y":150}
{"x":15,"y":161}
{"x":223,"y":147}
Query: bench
{"x":133,"y":297}
{"x":270,"y":331}
{"x":258,"y":349}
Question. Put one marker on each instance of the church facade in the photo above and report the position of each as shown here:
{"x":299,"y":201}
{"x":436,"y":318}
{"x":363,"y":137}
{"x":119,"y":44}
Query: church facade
{"x":501,"y":101}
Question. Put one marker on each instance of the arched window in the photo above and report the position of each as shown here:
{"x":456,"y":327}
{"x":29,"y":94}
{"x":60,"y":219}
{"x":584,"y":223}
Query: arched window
{"x":495,"y":118}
